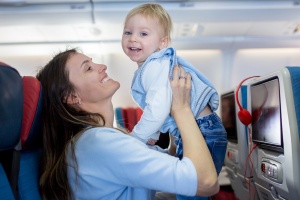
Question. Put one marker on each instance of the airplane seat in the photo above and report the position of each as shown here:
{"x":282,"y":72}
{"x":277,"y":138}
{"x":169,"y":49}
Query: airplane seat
{"x":276,"y":159}
{"x":6,"y":190}
{"x":139,"y":113}
{"x":31,"y":140}
{"x":236,"y":163}
{"x":129,"y":118}
{"x":119,"y":117}
{"x":11,"y":109}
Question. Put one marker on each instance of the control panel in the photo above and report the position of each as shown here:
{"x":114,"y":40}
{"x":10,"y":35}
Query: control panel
{"x":232,"y":154}
{"x":271,"y":170}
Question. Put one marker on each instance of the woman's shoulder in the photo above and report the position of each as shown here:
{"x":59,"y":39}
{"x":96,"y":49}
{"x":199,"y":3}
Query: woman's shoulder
{"x":107,"y":142}
{"x":104,"y":135}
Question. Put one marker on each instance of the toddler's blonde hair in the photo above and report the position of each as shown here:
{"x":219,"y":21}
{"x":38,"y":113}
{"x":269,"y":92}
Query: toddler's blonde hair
{"x":154,"y":11}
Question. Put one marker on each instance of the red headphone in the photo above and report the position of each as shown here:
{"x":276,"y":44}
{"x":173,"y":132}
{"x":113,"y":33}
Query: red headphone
{"x":243,"y":114}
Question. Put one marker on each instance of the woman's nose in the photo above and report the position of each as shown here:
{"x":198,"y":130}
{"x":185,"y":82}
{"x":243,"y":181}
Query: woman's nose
{"x":102,"y":68}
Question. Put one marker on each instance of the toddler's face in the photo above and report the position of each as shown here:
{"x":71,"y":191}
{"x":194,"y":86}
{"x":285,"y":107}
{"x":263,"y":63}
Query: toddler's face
{"x":142,"y":36}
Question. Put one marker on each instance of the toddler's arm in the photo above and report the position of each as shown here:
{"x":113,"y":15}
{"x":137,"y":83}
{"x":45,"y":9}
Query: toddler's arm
{"x":155,"y":82}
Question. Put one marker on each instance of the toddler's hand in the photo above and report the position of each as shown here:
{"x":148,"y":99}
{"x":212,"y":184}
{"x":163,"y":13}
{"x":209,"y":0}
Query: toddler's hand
{"x":151,"y":142}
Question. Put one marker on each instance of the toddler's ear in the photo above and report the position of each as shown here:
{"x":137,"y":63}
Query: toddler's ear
{"x":164,"y":42}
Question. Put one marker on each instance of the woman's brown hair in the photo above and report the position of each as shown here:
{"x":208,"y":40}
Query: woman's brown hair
{"x":61,"y":125}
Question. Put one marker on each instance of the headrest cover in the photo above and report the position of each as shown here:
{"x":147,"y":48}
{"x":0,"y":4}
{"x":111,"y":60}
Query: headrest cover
{"x":295,"y":79}
{"x":31,"y":134}
{"x":119,"y":117}
{"x":11,"y":106}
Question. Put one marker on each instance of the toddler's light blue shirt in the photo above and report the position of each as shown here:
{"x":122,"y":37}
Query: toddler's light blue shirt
{"x":152,"y":92}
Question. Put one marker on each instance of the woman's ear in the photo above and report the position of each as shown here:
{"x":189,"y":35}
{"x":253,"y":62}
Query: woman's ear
{"x":164,"y":42}
{"x":73,"y":99}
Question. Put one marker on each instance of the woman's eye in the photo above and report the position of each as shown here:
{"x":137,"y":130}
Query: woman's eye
{"x":89,"y":68}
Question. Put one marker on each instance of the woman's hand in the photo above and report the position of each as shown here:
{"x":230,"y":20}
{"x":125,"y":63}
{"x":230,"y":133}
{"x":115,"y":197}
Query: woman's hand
{"x":181,"y":89}
{"x":194,"y":145}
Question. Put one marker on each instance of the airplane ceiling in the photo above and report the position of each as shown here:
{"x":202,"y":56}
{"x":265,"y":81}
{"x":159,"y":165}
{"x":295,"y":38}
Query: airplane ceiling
{"x":207,"y":22}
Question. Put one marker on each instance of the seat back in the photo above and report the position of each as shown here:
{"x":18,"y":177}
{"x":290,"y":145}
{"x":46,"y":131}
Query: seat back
{"x":31,"y":140}
{"x":129,"y":118}
{"x":11,"y":109}
{"x":5,"y":188}
{"x":20,"y":135}
{"x":119,"y":117}
{"x":276,"y":133}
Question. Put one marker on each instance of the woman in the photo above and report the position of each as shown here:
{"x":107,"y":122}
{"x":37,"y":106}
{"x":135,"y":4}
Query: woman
{"x":86,"y":158}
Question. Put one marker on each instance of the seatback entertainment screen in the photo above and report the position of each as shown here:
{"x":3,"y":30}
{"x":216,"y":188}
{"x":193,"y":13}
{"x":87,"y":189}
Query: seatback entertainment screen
{"x":228,"y":115}
{"x":266,"y":114}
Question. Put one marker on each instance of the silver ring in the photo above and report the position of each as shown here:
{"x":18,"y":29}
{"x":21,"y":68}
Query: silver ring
{"x":182,"y":77}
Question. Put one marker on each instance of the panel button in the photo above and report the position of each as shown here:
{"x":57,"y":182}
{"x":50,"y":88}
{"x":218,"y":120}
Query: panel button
{"x":263,"y":167}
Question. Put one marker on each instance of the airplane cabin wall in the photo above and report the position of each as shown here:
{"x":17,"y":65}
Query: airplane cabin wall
{"x":226,"y":40}
{"x":26,"y":65}
{"x":224,"y":67}
{"x":250,"y":62}
{"x":122,"y":68}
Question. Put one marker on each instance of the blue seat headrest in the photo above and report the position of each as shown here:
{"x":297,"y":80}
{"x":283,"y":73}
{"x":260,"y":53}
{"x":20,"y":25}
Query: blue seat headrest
{"x":11,"y":106}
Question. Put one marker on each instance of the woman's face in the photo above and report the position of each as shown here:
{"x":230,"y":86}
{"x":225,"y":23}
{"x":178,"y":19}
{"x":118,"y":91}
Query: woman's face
{"x":92,"y":84}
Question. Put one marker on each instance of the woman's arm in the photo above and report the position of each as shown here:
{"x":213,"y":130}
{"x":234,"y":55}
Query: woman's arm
{"x":194,"y":145}
{"x":108,"y":156}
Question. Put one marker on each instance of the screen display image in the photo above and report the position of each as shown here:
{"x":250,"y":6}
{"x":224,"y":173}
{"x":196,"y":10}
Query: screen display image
{"x":228,"y":115}
{"x":266,"y":113}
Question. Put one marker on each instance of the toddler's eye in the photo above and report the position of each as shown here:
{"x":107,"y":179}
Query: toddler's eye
{"x":144,"y":34}
{"x":127,"y":33}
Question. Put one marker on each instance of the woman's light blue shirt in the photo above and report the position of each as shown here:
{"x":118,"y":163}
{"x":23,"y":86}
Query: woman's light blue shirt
{"x":113,"y":165}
